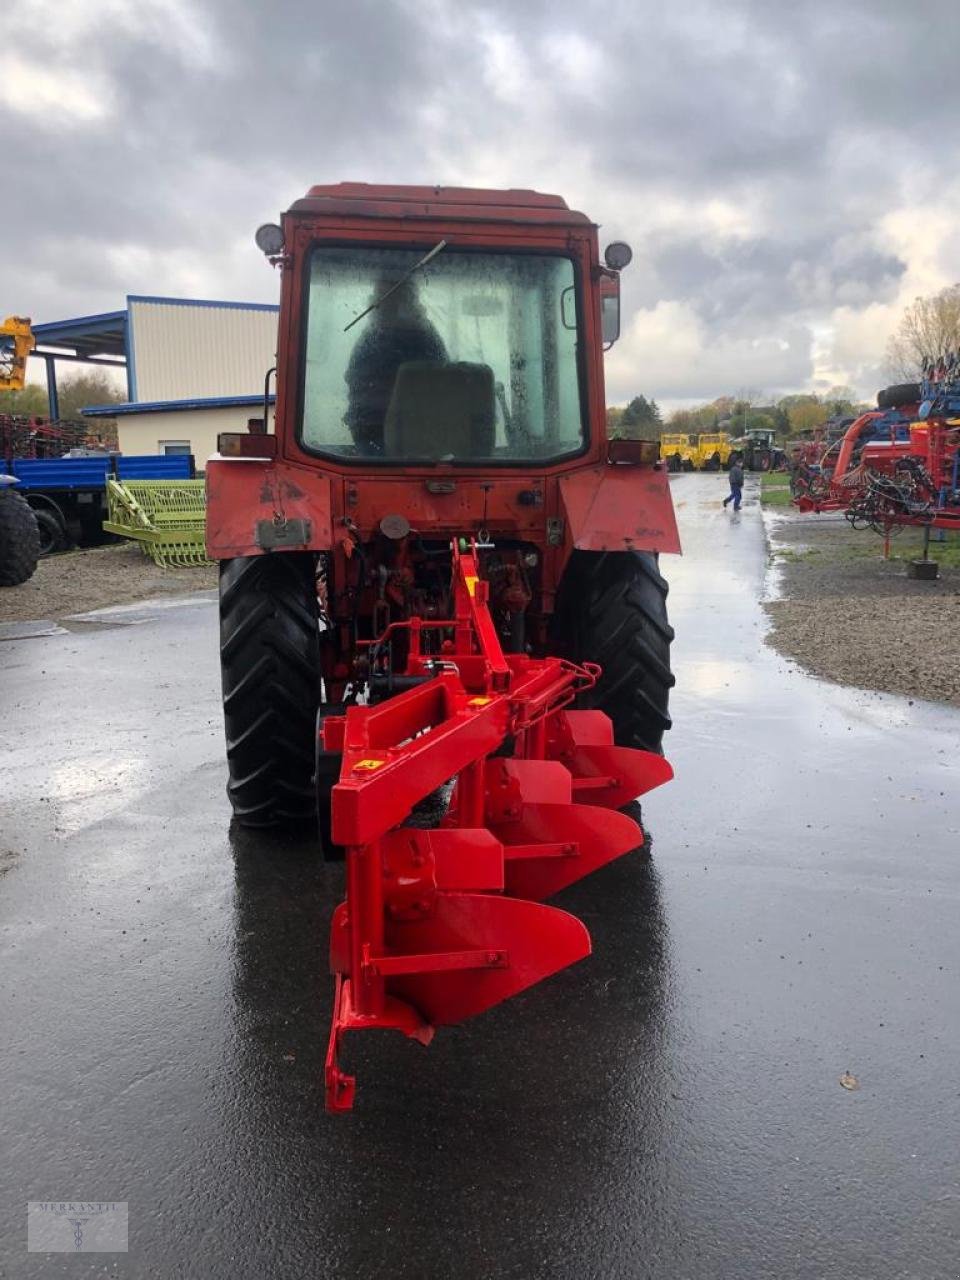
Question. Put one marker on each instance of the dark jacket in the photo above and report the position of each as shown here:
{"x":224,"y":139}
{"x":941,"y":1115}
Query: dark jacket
{"x":736,"y":476}
{"x":373,"y":369}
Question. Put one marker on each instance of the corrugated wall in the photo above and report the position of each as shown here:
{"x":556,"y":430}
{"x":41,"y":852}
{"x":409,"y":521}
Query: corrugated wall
{"x":180,"y":350}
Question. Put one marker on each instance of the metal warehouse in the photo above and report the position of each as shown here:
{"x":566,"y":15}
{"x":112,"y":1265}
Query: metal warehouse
{"x":194,"y":367}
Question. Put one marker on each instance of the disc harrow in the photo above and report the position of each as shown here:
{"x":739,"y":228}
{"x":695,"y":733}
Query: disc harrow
{"x":443,"y":922}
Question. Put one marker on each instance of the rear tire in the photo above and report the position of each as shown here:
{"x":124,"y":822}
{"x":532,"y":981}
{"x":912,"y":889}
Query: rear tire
{"x":903,"y":393}
{"x":53,"y":536}
{"x":270,"y":663}
{"x":612,"y":609}
{"x":19,"y":539}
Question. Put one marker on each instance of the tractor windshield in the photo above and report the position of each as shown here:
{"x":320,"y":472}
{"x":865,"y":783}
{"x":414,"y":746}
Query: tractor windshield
{"x":471,"y":358}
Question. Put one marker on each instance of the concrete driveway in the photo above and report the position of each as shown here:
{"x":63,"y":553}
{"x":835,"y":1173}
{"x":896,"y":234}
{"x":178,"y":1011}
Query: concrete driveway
{"x":669,"y":1108}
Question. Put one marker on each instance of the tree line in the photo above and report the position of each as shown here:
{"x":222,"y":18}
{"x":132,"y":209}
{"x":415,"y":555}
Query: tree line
{"x":788,"y":416}
{"x":74,"y":393}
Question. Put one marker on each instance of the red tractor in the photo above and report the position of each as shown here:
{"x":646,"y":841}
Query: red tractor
{"x":443,"y":625}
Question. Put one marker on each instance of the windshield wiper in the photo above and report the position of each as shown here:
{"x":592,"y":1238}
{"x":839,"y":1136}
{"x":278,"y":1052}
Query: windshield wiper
{"x":394,"y":287}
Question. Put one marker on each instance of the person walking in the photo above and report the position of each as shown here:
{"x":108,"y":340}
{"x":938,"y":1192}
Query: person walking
{"x":735,"y":475}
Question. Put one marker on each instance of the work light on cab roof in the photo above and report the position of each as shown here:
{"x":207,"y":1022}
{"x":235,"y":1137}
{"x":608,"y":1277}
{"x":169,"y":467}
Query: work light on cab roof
{"x":618,"y":255}
{"x":423,"y":568}
{"x":269,"y":238}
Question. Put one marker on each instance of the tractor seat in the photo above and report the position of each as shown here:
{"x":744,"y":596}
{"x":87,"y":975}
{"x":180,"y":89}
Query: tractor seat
{"x":441,"y":411}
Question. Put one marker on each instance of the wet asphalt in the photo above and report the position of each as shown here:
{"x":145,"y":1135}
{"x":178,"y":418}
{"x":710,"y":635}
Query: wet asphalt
{"x":670,"y":1107}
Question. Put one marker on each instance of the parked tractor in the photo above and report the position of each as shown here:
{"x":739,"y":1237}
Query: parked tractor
{"x":713,"y":451}
{"x":757,"y":450}
{"x":678,"y":451}
{"x":443,"y":624}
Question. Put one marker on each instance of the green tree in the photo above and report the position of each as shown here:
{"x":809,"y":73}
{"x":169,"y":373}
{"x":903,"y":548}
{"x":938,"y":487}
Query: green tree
{"x":840,"y":401}
{"x":683,"y":420}
{"x":640,"y":419}
{"x":30,"y":402}
{"x":75,"y":392}
{"x":83,"y":389}
{"x":760,"y":422}
{"x":804,"y":412}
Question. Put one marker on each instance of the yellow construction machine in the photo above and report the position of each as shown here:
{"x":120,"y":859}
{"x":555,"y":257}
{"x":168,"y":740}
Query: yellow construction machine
{"x":16,"y":343}
{"x":713,"y":451}
{"x":678,"y":451}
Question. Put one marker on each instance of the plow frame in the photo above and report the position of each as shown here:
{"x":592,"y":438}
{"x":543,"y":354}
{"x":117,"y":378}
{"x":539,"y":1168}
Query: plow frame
{"x":429,"y":932}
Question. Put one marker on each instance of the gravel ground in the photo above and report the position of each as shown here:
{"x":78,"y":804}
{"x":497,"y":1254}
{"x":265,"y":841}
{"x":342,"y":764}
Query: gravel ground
{"x":93,"y":578}
{"x":844,"y":613}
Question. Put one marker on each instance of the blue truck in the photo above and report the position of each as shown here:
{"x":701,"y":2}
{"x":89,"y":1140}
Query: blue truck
{"x":68,"y":494}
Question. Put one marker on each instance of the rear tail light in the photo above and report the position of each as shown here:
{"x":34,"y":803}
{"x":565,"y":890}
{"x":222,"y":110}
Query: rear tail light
{"x":241,"y":444}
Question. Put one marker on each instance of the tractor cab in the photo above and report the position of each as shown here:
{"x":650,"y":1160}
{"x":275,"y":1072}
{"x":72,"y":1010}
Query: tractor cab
{"x":469,"y":358}
{"x":435,"y":327}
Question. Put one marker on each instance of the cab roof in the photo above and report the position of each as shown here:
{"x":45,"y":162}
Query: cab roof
{"x":369,"y":200}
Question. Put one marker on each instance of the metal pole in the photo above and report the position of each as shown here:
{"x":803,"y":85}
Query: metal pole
{"x":53,"y":400}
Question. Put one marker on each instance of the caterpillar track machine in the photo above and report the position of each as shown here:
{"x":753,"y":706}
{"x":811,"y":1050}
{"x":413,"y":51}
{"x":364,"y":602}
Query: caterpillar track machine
{"x":444,"y":635}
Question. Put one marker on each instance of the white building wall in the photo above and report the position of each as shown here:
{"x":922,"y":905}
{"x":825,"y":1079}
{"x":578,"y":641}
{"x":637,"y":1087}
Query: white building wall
{"x":184,"y":350}
{"x":148,"y":433}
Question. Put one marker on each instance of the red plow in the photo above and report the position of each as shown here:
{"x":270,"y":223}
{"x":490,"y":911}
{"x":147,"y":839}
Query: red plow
{"x":444,"y":917}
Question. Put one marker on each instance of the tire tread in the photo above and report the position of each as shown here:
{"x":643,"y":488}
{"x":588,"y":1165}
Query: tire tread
{"x":270,"y":665}
{"x":19,"y":539}
{"x":612,"y":609}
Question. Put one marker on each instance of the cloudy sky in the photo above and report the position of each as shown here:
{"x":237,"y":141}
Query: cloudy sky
{"x":784,"y":169}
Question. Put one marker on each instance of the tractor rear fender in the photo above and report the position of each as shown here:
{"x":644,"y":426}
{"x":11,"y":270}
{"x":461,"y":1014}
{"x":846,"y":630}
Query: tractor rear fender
{"x":257,"y":505}
{"x":254,"y":505}
{"x":618,"y":508}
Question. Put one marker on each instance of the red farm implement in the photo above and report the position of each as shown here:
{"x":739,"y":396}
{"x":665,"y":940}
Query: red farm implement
{"x":894,"y":467}
{"x":443,"y":625}
{"x":33,"y":437}
{"x":444,"y":921}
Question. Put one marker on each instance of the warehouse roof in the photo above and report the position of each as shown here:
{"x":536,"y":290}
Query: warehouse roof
{"x":86,"y":336}
{"x":169,"y":406}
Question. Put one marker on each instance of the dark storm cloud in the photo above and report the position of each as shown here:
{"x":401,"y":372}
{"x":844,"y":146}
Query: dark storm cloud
{"x":757,"y":280}
{"x":812,"y":117}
